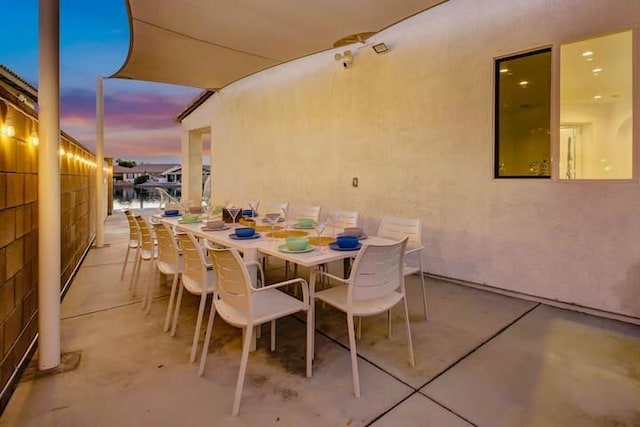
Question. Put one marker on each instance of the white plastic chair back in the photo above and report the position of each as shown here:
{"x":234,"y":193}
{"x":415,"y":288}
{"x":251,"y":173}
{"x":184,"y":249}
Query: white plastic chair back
{"x":168,"y":255}
{"x":344,"y":219}
{"x":232,"y":284}
{"x":312,"y":212}
{"x":194,"y":276}
{"x":146,"y":238}
{"x":133,"y":229}
{"x":377,"y":271}
{"x":399,"y":228}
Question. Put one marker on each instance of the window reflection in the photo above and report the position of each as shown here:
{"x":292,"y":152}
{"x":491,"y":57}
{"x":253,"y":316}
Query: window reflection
{"x":523,"y":108}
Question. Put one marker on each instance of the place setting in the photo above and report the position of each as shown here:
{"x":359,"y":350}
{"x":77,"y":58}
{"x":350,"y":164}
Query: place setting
{"x":215,"y":225}
{"x":346,"y":243}
{"x":244,"y":233}
{"x":171,"y":213}
{"x":296,"y":245}
{"x":189,"y":218}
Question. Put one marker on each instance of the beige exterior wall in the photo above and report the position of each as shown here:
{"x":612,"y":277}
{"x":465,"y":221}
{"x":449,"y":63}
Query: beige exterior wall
{"x":19,"y":231}
{"x":416,"y":127}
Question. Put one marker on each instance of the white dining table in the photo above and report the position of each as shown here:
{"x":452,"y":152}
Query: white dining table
{"x":251,"y":248}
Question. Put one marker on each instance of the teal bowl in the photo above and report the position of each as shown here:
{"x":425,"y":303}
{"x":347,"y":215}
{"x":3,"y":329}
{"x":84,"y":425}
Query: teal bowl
{"x":297,"y":243}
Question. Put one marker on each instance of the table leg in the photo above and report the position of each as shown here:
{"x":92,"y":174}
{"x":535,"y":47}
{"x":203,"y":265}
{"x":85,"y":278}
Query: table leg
{"x":252,"y":255}
{"x":313,"y":277}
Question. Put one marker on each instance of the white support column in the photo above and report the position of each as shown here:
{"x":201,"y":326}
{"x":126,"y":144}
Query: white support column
{"x":49,"y":235}
{"x":192,"y":166}
{"x":100,"y":161}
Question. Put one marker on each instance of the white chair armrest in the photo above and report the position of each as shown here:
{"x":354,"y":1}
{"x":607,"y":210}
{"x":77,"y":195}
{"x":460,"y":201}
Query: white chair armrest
{"x":331,"y":276}
{"x":260,"y":270}
{"x":413,"y":249}
{"x":303,"y":284}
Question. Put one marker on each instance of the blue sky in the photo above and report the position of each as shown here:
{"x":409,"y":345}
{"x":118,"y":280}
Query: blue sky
{"x":94,"y":41}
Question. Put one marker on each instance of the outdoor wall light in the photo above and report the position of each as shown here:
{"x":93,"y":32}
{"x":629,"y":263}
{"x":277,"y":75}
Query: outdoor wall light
{"x":33,"y":136}
{"x":7,"y":128}
{"x":380,"y":48}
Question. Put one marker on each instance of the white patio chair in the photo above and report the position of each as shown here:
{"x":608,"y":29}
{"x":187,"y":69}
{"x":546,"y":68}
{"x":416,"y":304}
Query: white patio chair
{"x":133,"y":240}
{"x":169,"y":262}
{"x":197,"y":279}
{"x":398,"y":229}
{"x":243,"y":306}
{"x":344,"y":219}
{"x":147,"y":252}
{"x":303,"y":211}
{"x":375,"y":285}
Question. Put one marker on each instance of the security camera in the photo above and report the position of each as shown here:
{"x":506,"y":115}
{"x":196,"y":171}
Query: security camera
{"x":345,"y":58}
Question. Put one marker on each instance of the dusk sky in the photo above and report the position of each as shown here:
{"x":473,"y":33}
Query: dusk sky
{"x":94,"y":41}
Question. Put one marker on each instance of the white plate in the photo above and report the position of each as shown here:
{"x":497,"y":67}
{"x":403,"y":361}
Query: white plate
{"x":204,"y":228}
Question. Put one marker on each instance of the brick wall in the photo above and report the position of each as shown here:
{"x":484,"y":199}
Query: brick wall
{"x":19,"y":228}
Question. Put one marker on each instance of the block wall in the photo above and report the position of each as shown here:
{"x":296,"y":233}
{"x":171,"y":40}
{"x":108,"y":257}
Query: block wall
{"x":19,"y":212}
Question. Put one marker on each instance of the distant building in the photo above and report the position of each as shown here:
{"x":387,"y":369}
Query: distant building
{"x":161,"y":173}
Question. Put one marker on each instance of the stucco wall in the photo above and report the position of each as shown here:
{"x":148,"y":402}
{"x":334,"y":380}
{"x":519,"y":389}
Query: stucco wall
{"x":415,"y":125}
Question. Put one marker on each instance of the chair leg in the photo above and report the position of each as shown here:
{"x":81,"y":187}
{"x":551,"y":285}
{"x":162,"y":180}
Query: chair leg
{"x":273,"y":335}
{"x":196,"y":333}
{"x":388,"y":323}
{"x":126,"y":259}
{"x":243,"y":369}
{"x":172,"y":296}
{"x":136,"y":276}
{"x":309,"y":356}
{"x":424,"y":291}
{"x":133,"y":274}
{"x":412,"y":359}
{"x":354,"y":356}
{"x":176,"y":312}
{"x":154,"y":281}
{"x":207,"y":338}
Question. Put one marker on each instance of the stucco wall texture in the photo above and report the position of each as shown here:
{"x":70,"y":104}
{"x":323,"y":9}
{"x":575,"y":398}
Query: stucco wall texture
{"x":415,"y":126}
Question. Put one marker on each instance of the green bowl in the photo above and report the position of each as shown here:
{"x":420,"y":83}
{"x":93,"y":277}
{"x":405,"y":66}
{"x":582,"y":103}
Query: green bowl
{"x":297,"y":243}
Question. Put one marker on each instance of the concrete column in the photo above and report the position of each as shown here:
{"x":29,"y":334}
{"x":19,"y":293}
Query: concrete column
{"x":100,"y":161}
{"x":192,"y":166}
{"x":49,"y":187}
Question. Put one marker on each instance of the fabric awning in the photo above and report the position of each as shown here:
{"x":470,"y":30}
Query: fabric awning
{"x":212,"y":43}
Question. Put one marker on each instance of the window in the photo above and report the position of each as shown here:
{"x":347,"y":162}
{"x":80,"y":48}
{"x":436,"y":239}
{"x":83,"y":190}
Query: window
{"x":596,"y":140}
{"x":522,"y":115}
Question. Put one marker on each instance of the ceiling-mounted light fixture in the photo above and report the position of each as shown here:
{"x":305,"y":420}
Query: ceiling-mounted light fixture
{"x":380,"y":48}
{"x":345,"y":58}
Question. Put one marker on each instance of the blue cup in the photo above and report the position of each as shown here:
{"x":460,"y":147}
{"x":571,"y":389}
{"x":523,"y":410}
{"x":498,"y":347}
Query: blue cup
{"x":346,"y":242}
{"x":245,"y":231}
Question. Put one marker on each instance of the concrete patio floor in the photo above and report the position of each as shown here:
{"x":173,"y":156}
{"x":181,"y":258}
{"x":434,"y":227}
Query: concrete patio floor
{"x":482,"y":359}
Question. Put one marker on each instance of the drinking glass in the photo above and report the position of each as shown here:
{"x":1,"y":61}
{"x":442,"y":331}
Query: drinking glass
{"x":273,"y":220}
{"x":334,"y":218}
{"x":288,"y":213}
{"x":234,"y":211}
{"x":319,"y":227}
{"x":253,"y":205}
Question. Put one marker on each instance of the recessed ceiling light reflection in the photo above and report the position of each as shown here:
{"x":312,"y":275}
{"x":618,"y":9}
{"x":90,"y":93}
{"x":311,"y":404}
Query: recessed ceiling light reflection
{"x":587,"y":53}
{"x":596,"y":97}
{"x":504,"y":70}
{"x":596,"y":70}
{"x":523,"y":83}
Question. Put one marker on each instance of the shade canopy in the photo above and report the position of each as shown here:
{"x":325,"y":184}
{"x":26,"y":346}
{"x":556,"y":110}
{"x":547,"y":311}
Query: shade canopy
{"x":212,"y":43}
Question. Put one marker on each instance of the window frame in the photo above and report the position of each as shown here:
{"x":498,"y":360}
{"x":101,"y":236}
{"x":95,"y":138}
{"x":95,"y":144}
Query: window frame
{"x":496,"y":112}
